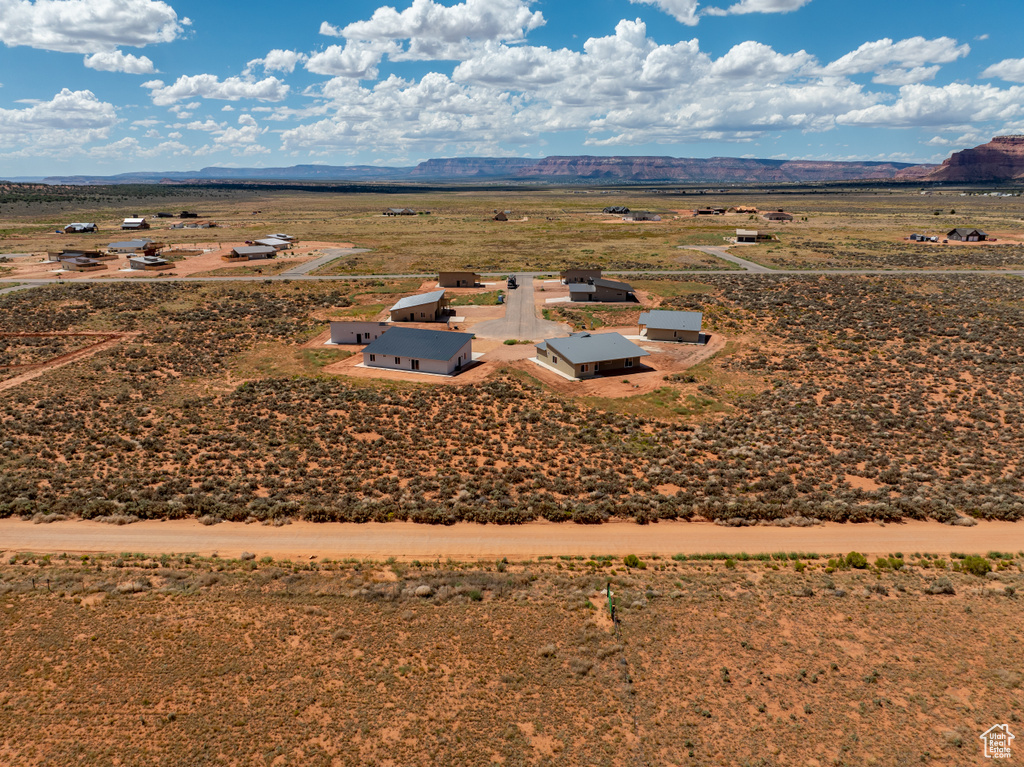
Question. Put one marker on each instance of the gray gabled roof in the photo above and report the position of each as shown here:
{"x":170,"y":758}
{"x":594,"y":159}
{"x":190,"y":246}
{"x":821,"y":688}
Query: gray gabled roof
{"x":272,"y":241}
{"x":963,"y":232}
{"x":254,"y":250}
{"x":666,"y":320}
{"x":150,"y":260}
{"x":417,"y":343}
{"x":129,"y":244}
{"x":581,"y":287}
{"x":582,"y":348}
{"x":418,"y":300}
{"x":601,"y":282}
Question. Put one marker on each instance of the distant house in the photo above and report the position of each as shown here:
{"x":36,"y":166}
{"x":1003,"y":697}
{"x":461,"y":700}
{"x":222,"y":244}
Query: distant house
{"x":643,"y":215}
{"x":399,"y":212}
{"x":250,"y":253}
{"x":135,"y":223}
{"x":285,"y":237}
{"x":80,"y":228}
{"x":355,"y":332}
{"x":923,"y":238}
{"x":140,"y":247}
{"x":65,"y":255}
{"x":188,"y":214}
{"x":709,"y":212}
{"x":458,"y":279}
{"x":618,"y":210}
{"x":967,"y":235}
{"x":150,"y":263}
{"x":777,"y":215}
{"x":81,"y":264}
{"x":415,"y":349}
{"x":661,"y":325}
{"x":742,"y":209}
{"x":500,"y":216}
{"x":424,"y":307}
{"x":570,"y":276}
{"x":605,"y":291}
{"x":751,"y":236}
{"x":583,"y":355}
{"x":274,"y":242}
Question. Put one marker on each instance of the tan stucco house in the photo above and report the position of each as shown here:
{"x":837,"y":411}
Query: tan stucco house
{"x":585,"y":355}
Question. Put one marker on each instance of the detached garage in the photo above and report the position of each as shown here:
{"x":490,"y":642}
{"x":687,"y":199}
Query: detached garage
{"x":418,"y":350}
{"x":661,"y":325}
{"x":355,"y":332}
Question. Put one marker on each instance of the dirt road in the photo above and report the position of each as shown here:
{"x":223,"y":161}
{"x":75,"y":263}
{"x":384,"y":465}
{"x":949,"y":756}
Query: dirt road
{"x":468,"y":541}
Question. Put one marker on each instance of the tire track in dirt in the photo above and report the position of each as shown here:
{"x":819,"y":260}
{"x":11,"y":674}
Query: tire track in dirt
{"x":37,"y":369}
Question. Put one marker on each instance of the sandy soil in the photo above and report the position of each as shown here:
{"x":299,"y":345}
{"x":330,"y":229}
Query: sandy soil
{"x":468,"y":541}
{"x":34,"y":371}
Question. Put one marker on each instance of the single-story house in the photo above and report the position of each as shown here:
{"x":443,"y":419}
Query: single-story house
{"x":584,"y":355}
{"x":135,"y":223}
{"x":500,"y":216}
{"x":458,"y":279}
{"x":81,"y":264}
{"x":967,"y":235}
{"x":141,"y":247}
{"x":709,"y":212}
{"x":751,"y":235}
{"x":64,"y":255}
{"x":570,"y":276}
{"x":356,"y":332}
{"x":150,"y":263}
{"x":603,"y":290}
{"x":250,"y":253}
{"x":194,"y":225}
{"x":79,"y":228}
{"x":427,"y":351}
{"x":188,"y":214}
{"x":619,"y":210}
{"x":273,"y":242}
{"x":663,"y":325}
{"x":285,"y":237}
{"x":642,"y":215}
{"x":423,"y":307}
{"x":742,"y":209}
{"x":399,"y":212}
{"x":777,"y":215}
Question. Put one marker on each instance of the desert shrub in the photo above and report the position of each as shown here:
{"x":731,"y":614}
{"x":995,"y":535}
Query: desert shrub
{"x":633,"y":561}
{"x":975,"y":565}
{"x":941,"y":586}
{"x":856,"y":560}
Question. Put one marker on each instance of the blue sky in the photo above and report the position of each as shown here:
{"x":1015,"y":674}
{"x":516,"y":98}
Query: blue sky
{"x":109,"y":86}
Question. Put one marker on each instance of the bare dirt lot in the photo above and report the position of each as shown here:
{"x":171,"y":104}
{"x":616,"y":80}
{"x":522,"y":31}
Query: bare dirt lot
{"x":176,"y":660}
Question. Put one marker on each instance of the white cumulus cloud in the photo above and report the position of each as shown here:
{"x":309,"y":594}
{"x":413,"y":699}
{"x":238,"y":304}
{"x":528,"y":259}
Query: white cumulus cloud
{"x":277,"y":60}
{"x":439,"y":32}
{"x":885,"y":54}
{"x":116,"y":61}
{"x":88,"y":26}
{"x":69,"y":118}
{"x":758,"y":6}
{"x":1011,"y":70}
{"x":683,"y":11}
{"x":953,"y":104}
{"x":211,"y":87}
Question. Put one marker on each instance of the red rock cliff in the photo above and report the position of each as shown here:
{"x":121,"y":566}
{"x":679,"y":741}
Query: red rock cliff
{"x":1001,"y":159}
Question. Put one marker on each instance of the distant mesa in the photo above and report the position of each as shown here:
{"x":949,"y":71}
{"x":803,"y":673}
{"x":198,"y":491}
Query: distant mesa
{"x":1001,"y":159}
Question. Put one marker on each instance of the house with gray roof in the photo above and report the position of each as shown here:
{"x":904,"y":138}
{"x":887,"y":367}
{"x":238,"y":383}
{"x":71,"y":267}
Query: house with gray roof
{"x":399,"y":212}
{"x":423,"y":307}
{"x":458,"y":279}
{"x":967,"y":235}
{"x":662,"y":325}
{"x":135,"y":223}
{"x":140,"y":246}
{"x":274,"y":242}
{"x":569,"y":276}
{"x":80,"y":228}
{"x":440,"y":352}
{"x":150,"y":263}
{"x":81,"y":264}
{"x":585,"y":355}
{"x":601,"y":289}
{"x":250,"y":253}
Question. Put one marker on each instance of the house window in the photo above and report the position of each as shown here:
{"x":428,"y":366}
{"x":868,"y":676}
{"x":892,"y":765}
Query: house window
{"x":415,"y":364}
{"x":554,"y":360}
{"x":373,"y":358}
{"x":398,"y":360}
{"x":629,"y":363}
{"x":584,"y":368}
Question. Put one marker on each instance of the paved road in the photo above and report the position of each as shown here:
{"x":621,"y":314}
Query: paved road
{"x":312,"y":266}
{"x":725,"y":255}
{"x":520,"y":321}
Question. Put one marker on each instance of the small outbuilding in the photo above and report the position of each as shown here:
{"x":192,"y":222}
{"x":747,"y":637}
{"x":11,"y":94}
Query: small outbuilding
{"x":458,"y":279}
{"x":967,"y":235}
{"x":285,"y":237}
{"x":135,"y":223}
{"x":618,"y":210}
{"x":150,"y":263}
{"x":140,"y":247}
{"x":425,"y":351}
{"x":777,"y":215}
{"x":500,"y":216}
{"x":602,"y":290}
{"x":423,"y":307}
{"x":399,"y":212}
{"x":569,"y":276}
{"x":643,"y":215}
{"x":80,"y":228}
{"x":662,"y":325}
{"x":250,"y":253}
{"x":355,"y":332}
{"x":585,"y":355}
{"x":750,"y":236}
